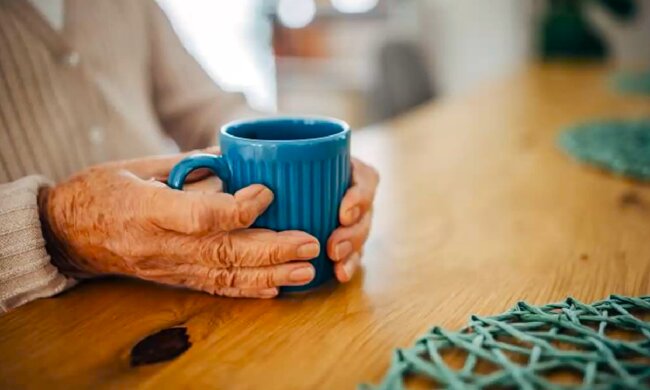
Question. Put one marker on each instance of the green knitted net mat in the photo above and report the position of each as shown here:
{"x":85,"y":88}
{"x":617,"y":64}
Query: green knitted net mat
{"x":632,"y":82}
{"x":604,"y":345}
{"x":620,"y":146}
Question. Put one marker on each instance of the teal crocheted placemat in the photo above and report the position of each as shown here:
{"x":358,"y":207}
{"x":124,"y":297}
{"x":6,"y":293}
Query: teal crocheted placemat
{"x":620,"y":146}
{"x":606,"y":345}
{"x":632,"y":82}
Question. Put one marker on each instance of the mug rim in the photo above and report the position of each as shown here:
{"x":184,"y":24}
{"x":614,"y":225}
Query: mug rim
{"x":345,"y":128}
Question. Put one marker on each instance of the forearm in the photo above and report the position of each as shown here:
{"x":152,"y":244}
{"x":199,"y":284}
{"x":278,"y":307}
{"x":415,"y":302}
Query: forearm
{"x":26,"y":272}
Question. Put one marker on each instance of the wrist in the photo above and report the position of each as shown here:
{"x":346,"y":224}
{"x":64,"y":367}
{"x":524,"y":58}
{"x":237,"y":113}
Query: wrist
{"x":55,"y":247}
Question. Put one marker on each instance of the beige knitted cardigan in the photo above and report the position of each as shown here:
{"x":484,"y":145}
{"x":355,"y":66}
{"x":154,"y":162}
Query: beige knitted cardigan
{"x":115,"y":83}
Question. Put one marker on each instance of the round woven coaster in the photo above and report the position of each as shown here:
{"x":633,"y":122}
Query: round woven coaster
{"x":603,"y":345}
{"x":632,"y":82}
{"x":620,"y":146}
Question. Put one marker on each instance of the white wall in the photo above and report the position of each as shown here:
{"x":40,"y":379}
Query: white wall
{"x":472,"y":41}
{"x":232,"y":41}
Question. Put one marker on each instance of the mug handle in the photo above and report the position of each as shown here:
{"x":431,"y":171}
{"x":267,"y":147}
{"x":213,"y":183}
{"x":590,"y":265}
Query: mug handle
{"x":217,"y":164}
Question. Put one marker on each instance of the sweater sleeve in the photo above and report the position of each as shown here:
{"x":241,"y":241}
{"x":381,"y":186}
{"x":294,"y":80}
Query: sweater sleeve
{"x":189,"y":104}
{"x":26,"y":272}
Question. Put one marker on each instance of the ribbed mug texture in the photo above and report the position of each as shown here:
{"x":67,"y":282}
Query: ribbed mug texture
{"x":304,"y":161}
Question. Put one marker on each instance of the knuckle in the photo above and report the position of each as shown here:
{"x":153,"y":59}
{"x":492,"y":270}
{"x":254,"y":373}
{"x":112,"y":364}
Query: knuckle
{"x":352,"y":198}
{"x":224,"y":251}
{"x":367,"y":198}
{"x":224,"y":278}
{"x":199,"y":219}
{"x":259,"y":279}
{"x":245,"y":215}
{"x":210,"y":279}
{"x":274,"y":254}
{"x":255,"y":279}
{"x":264,"y":280}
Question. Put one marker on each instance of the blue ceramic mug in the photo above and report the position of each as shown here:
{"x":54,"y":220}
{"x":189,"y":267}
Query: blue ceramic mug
{"x":304,"y":161}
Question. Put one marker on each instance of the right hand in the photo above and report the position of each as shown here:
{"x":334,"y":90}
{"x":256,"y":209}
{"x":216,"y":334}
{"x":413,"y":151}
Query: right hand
{"x":120,"y":218}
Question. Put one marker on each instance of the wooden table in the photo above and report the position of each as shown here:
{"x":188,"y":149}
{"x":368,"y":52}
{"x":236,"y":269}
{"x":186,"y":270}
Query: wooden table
{"x":477,"y":210}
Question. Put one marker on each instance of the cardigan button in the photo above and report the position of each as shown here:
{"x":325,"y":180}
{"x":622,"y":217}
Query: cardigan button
{"x":71,"y":59}
{"x":96,"y":135}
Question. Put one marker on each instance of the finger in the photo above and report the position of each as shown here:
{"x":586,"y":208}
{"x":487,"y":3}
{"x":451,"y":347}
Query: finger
{"x":295,"y":274}
{"x":346,"y":269}
{"x":201,"y":278}
{"x":211,"y":279}
{"x":210,"y":185}
{"x":158,"y":167}
{"x":233,"y":292}
{"x":243,"y":248}
{"x":359,"y":197}
{"x":195,"y":212}
{"x":348,"y":239}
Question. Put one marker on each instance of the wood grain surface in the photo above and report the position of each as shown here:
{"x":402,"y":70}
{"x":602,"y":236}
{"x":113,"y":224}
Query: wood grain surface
{"x":477,"y":209}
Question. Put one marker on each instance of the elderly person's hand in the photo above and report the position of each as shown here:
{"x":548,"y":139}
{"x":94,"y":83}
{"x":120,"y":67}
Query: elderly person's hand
{"x":120,"y":218}
{"x":345,"y":245}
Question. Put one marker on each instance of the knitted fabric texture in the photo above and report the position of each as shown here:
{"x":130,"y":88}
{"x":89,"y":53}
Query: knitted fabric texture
{"x":632,"y":82}
{"x":604,"y":345}
{"x":620,"y":146}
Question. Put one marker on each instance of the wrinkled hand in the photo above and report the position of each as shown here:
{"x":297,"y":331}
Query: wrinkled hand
{"x":345,"y":245}
{"x":120,"y":218}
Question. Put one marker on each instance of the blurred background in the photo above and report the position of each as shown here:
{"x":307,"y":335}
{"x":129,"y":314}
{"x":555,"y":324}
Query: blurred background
{"x":368,"y":60}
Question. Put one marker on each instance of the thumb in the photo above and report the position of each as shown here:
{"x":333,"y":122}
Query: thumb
{"x":158,"y":167}
{"x":193,"y":212}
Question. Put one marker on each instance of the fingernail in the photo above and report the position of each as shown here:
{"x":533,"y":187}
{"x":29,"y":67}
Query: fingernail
{"x":354,"y":213}
{"x":308,"y":251}
{"x":350,"y":268}
{"x":342,"y":250}
{"x":302,"y":274}
{"x":269,"y":292}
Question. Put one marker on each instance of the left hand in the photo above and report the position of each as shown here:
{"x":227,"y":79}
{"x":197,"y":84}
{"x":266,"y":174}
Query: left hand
{"x":345,"y":245}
